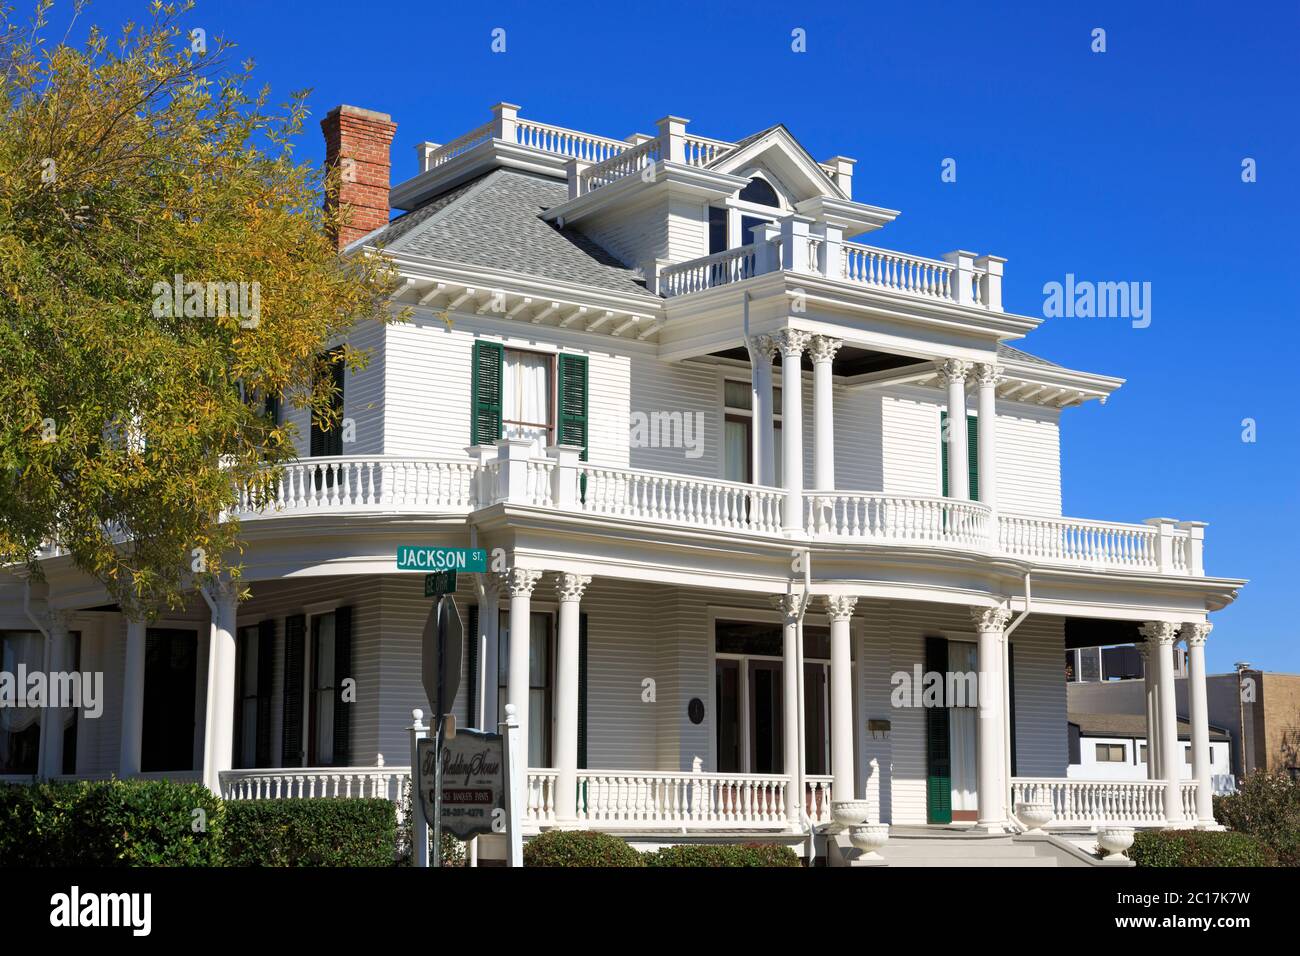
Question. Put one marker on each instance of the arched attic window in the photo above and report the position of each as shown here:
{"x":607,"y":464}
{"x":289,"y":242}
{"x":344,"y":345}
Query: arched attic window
{"x":760,"y":191}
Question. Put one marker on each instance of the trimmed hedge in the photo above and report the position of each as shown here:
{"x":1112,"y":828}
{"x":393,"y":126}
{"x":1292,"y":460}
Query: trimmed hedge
{"x":111,"y":823}
{"x":580,"y":848}
{"x":314,"y":832}
{"x":748,"y":854}
{"x":1267,"y":807}
{"x":1164,"y":848}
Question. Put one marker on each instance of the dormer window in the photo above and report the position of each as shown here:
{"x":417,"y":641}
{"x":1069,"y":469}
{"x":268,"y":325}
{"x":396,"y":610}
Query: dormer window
{"x":760,"y":191}
{"x":735,"y":224}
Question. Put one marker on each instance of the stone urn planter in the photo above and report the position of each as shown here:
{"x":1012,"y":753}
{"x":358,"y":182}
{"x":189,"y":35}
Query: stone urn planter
{"x":1034,"y":814}
{"x":1113,"y":841}
{"x":869,"y":838}
{"x":850,"y":813}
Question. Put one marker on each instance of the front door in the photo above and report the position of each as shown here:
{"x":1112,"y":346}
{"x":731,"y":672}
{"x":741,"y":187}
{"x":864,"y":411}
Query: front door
{"x":170,"y":665}
{"x":767,"y":753}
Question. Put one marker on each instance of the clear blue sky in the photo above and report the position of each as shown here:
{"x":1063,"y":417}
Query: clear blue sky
{"x":1119,"y":166}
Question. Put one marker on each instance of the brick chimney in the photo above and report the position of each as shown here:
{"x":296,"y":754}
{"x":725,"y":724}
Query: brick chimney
{"x":359,"y":140}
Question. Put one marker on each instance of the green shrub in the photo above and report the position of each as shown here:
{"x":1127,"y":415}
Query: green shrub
{"x":1163,"y":848}
{"x":110,"y":823}
{"x":1267,"y":807}
{"x":323,"y":831}
{"x":731,"y":854}
{"x":453,"y":850}
{"x":579,"y":848}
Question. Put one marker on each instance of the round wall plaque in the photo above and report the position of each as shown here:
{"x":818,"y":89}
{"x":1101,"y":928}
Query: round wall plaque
{"x":695,"y":710}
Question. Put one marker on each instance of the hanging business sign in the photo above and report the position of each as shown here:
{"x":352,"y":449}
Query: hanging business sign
{"x":471,"y":776}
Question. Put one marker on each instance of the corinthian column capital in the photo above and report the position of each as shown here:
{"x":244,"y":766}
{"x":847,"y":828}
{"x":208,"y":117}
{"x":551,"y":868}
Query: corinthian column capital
{"x":788,"y":604}
{"x":1163,"y":633}
{"x":791,"y":342}
{"x":990,"y":619}
{"x":840,"y":607}
{"x":519,"y":582}
{"x":987,"y":373}
{"x":569,"y":586}
{"x":954,"y":370}
{"x":822,"y":348}
{"x":1195,"y":632}
{"x":764,"y":345}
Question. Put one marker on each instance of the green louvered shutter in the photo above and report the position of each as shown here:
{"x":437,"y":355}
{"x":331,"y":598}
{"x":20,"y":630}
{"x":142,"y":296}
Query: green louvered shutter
{"x":291,"y":732}
{"x":938,"y":755}
{"x":342,"y":672}
{"x":573,"y":402}
{"x":485,"y":394}
{"x":972,"y":454}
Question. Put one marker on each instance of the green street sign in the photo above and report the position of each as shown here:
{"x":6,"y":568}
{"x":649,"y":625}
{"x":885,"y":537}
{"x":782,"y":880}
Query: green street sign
{"x":439,"y":583}
{"x":431,"y":559}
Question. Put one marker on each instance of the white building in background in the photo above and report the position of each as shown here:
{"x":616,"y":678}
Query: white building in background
{"x":647,"y":373}
{"x":1114,"y":747}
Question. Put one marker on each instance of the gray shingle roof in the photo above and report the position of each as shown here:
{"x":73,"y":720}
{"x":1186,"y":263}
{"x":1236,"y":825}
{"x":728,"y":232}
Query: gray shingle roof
{"x":495,"y":221}
{"x":1015,"y":355}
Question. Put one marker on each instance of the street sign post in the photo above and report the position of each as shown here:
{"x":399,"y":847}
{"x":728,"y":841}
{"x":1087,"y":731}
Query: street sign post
{"x":440,"y":653}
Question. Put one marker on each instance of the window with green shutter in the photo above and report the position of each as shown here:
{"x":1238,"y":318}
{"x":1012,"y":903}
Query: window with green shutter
{"x":573,"y":401}
{"x":938,"y":749}
{"x":972,"y":453}
{"x":485,"y":393}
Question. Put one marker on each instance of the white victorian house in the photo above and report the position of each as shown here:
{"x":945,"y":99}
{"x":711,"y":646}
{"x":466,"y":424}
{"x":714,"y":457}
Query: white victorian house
{"x":705,"y":436}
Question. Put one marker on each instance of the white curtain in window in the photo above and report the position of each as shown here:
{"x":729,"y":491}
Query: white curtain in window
{"x":26,"y":648}
{"x":961,"y":730}
{"x":736,"y":455}
{"x":526,"y":397}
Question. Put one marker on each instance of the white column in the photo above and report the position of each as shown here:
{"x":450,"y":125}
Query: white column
{"x":988,"y":377}
{"x":219,"y":733}
{"x":792,"y":342}
{"x":822,"y":349}
{"x":520,"y":582}
{"x":568,"y":589}
{"x":1161,"y":635}
{"x":954,"y":372}
{"x":789,"y":605}
{"x":991,"y":775}
{"x":128,"y":764}
{"x":57,"y":658}
{"x":489,"y":619}
{"x":1152,"y":711}
{"x":761,"y":352}
{"x":840,"y":611}
{"x":1198,"y":715}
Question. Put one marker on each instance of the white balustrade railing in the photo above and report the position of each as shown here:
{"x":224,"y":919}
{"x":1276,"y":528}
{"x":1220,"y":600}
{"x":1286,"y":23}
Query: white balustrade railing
{"x":681,"y":499}
{"x":817,"y":800}
{"x":898,"y":272}
{"x":1076,"y":541}
{"x":1091,"y":803}
{"x":378,"y":482}
{"x":308,"y":782}
{"x":701,"y":151}
{"x":461,"y":144}
{"x":696,"y":275}
{"x":628,"y":799}
{"x":566,"y":142}
{"x":627,"y":163}
{"x":869,"y":516}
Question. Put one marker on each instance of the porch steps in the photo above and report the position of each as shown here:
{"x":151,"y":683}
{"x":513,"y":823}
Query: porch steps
{"x":939,"y":847}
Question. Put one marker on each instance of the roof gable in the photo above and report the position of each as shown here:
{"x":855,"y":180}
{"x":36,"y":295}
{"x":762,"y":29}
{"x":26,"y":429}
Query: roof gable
{"x":775,"y":149}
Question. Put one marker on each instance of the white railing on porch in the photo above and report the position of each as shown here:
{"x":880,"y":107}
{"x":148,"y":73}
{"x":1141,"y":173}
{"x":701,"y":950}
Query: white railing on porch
{"x":306,"y":782}
{"x":624,"y":799}
{"x":899,"y":272}
{"x":721,"y":268}
{"x":901,"y":519}
{"x":390,"y":483}
{"x":1091,"y":803}
{"x":681,"y":499}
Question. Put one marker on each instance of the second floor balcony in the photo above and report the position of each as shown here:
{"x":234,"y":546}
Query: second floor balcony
{"x":510,"y":474}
